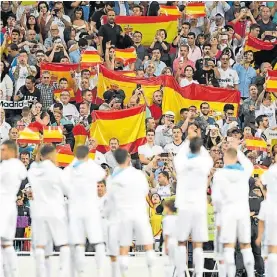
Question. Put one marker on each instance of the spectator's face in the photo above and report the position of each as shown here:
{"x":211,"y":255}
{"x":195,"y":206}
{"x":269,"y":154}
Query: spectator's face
{"x":214,"y":132}
{"x":219,"y":164}
{"x":247,"y":132}
{"x":150,"y":69}
{"x":78,"y":14}
{"x":207,"y":50}
{"x":46,"y":119}
{"x":177,"y":134}
{"x":38,"y":108}
{"x":25,"y":159}
{"x":168,"y":119}
{"x":214,"y":41}
{"x":267,"y":100}
{"x":11,"y":22}
{"x":111,"y":17}
{"x":205,"y":109}
{"x":249,"y":57}
{"x":92,"y":143}
{"x":218,"y":20}
{"x":162,"y":34}
{"x":13,"y":134}
{"x":65,"y":60}
{"x":57,"y":116}
{"x":155,"y":199}
{"x":140,"y":74}
{"x":32,"y":20}
{"x":184,"y":115}
{"x":117,"y":106}
{"x":29,"y":84}
{"x":253,"y":92}
{"x":229,"y":113}
{"x":137,"y":38}
{"x":25,"y":113}
{"x":46,"y":79}
{"x":191,"y":40}
{"x":185,"y":29}
{"x":114,"y":144}
{"x":265,"y":13}
{"x":15,"y":37}
{"x":193,"y":112}
{"x":215,"y":153}
{"x":193,"y":131}
{"x":157,"y":98}
{"x":84,"y":83}
{"x":266,"y":67}
{"x":31,"y":35}
{"x":188,"y":72}
{"x":63,"y":84}
{"x":65,"y":97}
{"x":86,"y":75}
{"x":168,"y":72}
{"x":252,"y":157}
{"x":88,"y":96}
{"x":101,"y":189}
{"x":136,"y":11}
{"x":150,"y":136}
{"x":162,"y":179}
{"x":224,"y":61}
{"x":133,"y":102}
{"x":43,"y":8}
{"x":156,"y":54}
{"x":255,"y":32}
{"x":40,"y":57}
{"x":5,"y":5}
{"x":151,"y":124}
{"x":184,"y":51}
{"x":54,"y":30}
{"x":1,"y":66}
{"x":22,"y":58}
{"x":83,"y":110}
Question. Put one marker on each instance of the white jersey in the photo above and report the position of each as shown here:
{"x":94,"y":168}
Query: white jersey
{"x":129,"y":189}
{"x":269,"y":178}
{"x":169,"y":226}
{"x":48,"y":190}
{"x":233,"y":185}
{"x":173,"y":148}
{"x":12,"y":172}
{"x":192,"y":177}
{"x":82,"y":178}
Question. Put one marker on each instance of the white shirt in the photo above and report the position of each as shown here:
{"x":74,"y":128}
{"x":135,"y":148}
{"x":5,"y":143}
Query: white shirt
{"x":61,"y":25}
{"x":99,"y":158}
{"x":164,"y":191}
{"x":7,"y":86}
{"x":111,"y":159}
{"x":228,"y":77}
{"x":185,"y":82}
{"x":4,"y":131}
{"x":82,"y":178}
{"x":173,"y":148}
{"x":149,"y":151}
{"x":270,"y":112}
{"x":269,"y":178}
{"x":169,"y":226}
{"x":70,"y":112}
{"x":46,"y":180}
{"x":23,"y":74}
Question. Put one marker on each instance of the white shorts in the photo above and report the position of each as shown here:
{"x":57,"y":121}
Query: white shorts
{"x":86,"y":227}
{"x":112,"y":241}
{"x":138,"y":226}
{"x":235,"y":226}
{"x":218,"y":246}
{"x":8,"y":224}
{"x":271,"y":227}
{"x":194,"y":222}
{"x":48,"y":229}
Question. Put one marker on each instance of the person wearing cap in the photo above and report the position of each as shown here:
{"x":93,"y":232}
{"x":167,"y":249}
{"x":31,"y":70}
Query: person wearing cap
{"x":164,"y":132}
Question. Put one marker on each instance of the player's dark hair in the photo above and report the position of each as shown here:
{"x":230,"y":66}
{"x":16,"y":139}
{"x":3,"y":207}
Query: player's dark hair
{"x":10,"y":144}
{"x":82,"y":152}
{"x":102,"y":182}
{"x":121,"y":155}
{"x":46,"y":150}
{"x":195,"y":145}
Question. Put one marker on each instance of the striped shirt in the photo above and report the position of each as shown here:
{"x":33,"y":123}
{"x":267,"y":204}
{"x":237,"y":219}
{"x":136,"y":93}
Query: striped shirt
{"x":47,"y":95}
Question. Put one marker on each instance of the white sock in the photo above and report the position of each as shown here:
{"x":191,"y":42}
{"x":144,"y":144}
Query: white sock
{"x":222,"y":270}
{"x":198,"y":261}
{"x":150,"y":259}
{"x":64,"y":261}
{"x":181,"y":260}
{"x":80,"y":258}
{"x":11,"y":260}
{"x":229,"y":260}
{"x":248,"y":261}
{"x":266,"y":267}
{"x":272,"y":264}
{"x":100,"y":258}
{"x":169,"y":267}
{"x":123,"y":264}
{"x":48,"y":266}
{"x":72,"y":261}
{"x":115,"y":269}
{"x":40,"y":262}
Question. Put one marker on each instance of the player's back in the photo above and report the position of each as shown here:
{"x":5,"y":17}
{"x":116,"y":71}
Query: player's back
{"x":192,"y":177}
{"x":12,"y":172}
{"x":82,"y":178}
{"x":129,"y":189}
{"x":269,"y":178}
{"x":48,"y":189}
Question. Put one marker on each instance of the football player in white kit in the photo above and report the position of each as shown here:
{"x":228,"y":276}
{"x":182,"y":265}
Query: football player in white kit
{"x":232,"y":181}
{"x":128,"y":190}
{"x":49,"y":219}
{"x":268,"y":218}
{"x":192,"y":170}
{"x":82,"y":176}
{"x":12,"y":172}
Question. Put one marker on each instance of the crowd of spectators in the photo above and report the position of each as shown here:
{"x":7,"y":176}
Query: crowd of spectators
{"x":207,"y":50}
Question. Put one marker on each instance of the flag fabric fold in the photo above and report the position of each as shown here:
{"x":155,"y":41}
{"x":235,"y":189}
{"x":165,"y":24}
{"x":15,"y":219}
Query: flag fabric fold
{"x":259,"y":170}
{"x":52,"y":134}
{"x":256,"y":144}
{"x":91,"y":154}
{"x":29,"y":135}
{"x":147,"y":25}
{"x":128,"y":126}
{"x":271,"y":81}
{"x":169,"y":10}
{"x":64,"y":155}
{"x":194,"y":9}
{"x":80,"y":135}
{"x":90,"y":58}
{"x":256,"y":44}
{"x":57,"y":93}
{"x":126,"y":56}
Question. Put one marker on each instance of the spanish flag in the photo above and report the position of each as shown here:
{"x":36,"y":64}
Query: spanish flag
{"x":128,"y":126}
{"x":169,"y":10}
{"x":126,"y":56}
{"x":29,"y":135}
{"x":147,"y":25}
{"x":90,"y":58}
{"x":194,"y":9}
{"x":57,"y":93}
{"x":52,"y":134}
{"x":91,"y":154}
{"x":271,"y":81}
{"x":256,"y":44}
{"x":259,"y":170}
{"x":108,"y":79}
{"x":175,"y":97}
{"x":80,"y":135}
{"x":256,"y":144}
{"x":64,"y":155}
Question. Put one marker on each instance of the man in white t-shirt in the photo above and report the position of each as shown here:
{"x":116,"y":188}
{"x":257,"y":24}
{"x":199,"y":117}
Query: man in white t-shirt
{"x":163,"y":188}
{"x":4,"y":127}
{"x":228,"y":77}
{"x":177,"y":142}
{"x":148,"y":150}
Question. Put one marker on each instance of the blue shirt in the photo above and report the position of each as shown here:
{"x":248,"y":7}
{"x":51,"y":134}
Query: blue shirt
{"x":246,"y":78}
{"x":75,"y":56}
{"x":159,"y":67}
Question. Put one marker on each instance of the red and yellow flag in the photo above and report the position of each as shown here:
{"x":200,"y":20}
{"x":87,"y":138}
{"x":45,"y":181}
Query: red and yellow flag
{"x":148,"y":26}
{"x":29,"y":135}
{"x":194,"y":9}
{"x":259,"y":170}
{"x":256,"y":144}
{"x":80,"y":135}
{"x":271,"y":81}
{"x":52,"y":134}
{"x":57,"y":93}
{"x":64,"y":155}
{"x":169,"y":10}
{"x":91,"y":154}
{"x":126,"y":56}
{"x":90,"y":58}
{"x":128,"y":126}
{"x":256,"y":44}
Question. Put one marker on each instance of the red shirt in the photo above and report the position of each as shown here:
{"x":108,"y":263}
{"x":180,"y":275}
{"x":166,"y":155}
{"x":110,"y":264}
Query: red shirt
{"x":156,"y":111}
{"x":239,"y":27}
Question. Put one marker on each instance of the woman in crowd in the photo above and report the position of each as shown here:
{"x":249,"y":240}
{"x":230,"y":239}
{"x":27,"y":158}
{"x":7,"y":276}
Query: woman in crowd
{"x":78,"y":23}
{"x":188,"y":77}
